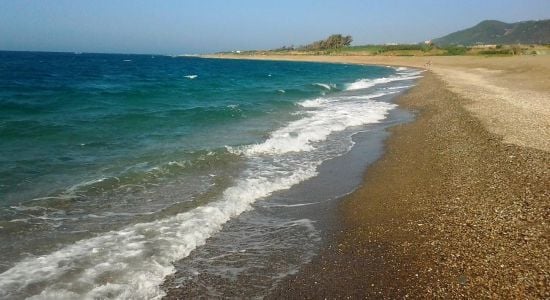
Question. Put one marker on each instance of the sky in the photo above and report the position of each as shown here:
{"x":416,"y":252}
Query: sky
{"x":205,"y":26}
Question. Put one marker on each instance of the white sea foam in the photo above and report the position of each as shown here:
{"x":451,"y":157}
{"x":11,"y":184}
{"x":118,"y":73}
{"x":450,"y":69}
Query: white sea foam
{"x":113,"y":214}
{"x":191,"y":76}
{"x":400,"y":87}
{"x":314,"y":102}
{"x":86,"y":183}
{"x":326,"y":86}
{"x":292,"y":205}
{"x":300,"y":135}
{"x":31,"y":208}
{"x":402,"y":74}
{"x":367,"y":83}
{"x":371,"y":96}
{"x":132,"y":262}
{"x":319,"y":102}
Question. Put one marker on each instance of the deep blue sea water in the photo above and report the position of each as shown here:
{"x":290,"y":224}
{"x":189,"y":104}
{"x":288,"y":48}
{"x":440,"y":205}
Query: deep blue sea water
{"x":112,"y":167}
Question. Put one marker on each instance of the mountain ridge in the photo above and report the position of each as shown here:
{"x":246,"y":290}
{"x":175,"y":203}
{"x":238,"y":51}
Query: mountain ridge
{"x":498,"y":32}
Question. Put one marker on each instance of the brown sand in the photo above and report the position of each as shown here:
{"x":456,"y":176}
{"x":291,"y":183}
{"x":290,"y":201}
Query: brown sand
{"x":449,"y":212}
{"x":510,"y":95}
{"x":459,"y":205}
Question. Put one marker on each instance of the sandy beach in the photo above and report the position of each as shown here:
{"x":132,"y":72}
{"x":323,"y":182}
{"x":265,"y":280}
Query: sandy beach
{"x":458,"y":206}
{"x":510,"y":95}
{"x":275,"y":150}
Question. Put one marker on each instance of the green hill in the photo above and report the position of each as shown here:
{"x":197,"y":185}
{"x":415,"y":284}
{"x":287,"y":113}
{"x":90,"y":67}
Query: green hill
{"x":496,"y":32}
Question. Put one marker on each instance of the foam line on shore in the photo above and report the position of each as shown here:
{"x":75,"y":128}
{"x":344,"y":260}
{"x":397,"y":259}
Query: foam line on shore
{"x":132,"y":262}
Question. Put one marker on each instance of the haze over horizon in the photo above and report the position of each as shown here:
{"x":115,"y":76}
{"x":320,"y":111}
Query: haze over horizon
{"x":177,"y":27}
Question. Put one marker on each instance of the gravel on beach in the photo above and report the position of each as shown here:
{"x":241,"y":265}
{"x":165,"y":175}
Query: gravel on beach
{"x":450,"y":211}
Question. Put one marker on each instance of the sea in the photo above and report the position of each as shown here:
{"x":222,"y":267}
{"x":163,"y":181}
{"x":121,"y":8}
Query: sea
{"x":137,"y":176}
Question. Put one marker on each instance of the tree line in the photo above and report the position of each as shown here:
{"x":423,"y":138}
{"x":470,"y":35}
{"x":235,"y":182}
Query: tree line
{"x":334,"y":41}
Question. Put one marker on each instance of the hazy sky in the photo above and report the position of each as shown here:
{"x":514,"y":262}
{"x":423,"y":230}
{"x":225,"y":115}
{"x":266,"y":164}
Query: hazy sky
{"x":175,"y":27}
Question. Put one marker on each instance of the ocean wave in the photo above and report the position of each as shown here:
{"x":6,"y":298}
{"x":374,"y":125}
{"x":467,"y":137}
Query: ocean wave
{"x":317,"y":102}
{"x":326,"y":86}
{"x":212,"y":114}
{"x":371,"y":96}
{"x":191,"y":76}
{"x":132,"y":262}
{"x":172,"y":116}
{"x":291,"y":205}
{"x":300,"y":135}
{"x":399,"y":87}
{"x":134,"y":178}
{"x":115,"y":214}
{"x":367,"y":83}
{"x":144,"y":173}
{"x":402,"y":74}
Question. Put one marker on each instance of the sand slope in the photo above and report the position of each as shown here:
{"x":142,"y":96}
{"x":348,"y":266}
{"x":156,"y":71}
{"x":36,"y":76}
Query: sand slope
{"x":458,"y":207}
{"x":449,"y":212}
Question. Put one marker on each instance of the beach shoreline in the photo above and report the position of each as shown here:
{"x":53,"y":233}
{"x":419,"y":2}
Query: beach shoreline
{"x":457,"y":207}
{"x":510,"y":95}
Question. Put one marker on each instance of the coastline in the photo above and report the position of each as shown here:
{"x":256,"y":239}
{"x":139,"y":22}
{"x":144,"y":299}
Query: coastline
{"x":449,"y":211}
{"x":458,"y":205}
{"x":318,"y":199}
{"x":509,"y":95}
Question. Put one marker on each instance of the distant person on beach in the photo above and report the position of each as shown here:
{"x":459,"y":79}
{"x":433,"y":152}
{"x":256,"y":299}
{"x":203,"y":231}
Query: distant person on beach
{"x":428,"y":64}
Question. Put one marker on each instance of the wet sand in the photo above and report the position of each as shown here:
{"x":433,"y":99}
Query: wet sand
{"x":450,"y":211}
{"x":458,"y":206}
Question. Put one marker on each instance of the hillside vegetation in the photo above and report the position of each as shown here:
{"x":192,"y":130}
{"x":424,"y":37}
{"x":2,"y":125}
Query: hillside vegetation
{"x":488,"y":38}
{"x":496,"y":32}
{"x":335,"y":41}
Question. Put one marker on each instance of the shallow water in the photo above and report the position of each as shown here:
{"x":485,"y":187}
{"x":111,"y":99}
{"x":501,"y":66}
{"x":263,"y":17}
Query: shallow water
{"x":114,"y":167}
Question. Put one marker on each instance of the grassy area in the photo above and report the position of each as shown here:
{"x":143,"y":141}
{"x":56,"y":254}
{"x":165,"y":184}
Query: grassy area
{"x":411,"y":50}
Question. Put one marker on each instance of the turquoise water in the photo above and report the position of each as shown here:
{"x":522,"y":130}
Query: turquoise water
{"x":115,"y":166}
{"x":68,"y":119}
